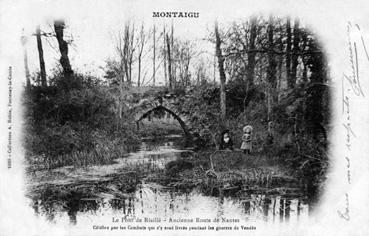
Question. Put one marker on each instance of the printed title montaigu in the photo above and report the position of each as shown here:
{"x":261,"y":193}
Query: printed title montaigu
{"x":176,"y":14}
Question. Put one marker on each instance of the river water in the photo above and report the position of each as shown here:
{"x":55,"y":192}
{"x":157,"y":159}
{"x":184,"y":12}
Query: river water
{"x":150,"y":199}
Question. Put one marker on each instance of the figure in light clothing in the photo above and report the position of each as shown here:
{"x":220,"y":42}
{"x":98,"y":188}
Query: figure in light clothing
{"x":247,"y":139}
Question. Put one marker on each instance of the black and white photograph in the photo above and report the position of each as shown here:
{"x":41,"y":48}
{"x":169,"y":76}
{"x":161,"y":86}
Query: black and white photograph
{"x":167,"y":118}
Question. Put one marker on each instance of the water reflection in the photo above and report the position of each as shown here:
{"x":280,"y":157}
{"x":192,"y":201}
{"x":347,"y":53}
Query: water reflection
{"x":166,"y":204}
{"x":155,"y":154}
{"x":152,"y":200}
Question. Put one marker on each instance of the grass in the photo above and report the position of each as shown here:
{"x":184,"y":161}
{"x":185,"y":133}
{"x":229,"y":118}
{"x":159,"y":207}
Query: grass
{"x":97,"y":156}
{"x":225,"y":172}
{"x":213,"y":173}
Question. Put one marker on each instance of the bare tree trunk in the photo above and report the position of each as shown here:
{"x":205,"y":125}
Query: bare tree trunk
{"x":304,"y":60}
{"x":214,"y":66}
{"x":139,"y":73}
{"x":131,"y":48}
{"x":169,"y":64}
{"x":126,"y":48}
{"x":280,"y":65}
{"x":288,"y":54}
{"x":296,"y":41}
{"x":25,"y":59}
{"x":187,"y":69}
{"x":271,"y":73}
{"x":173,"y":66}
{"x":251,"y":54}
{"x":140,"y":50}
{"x":153,"y":60}
{"x":222,"y":76}
{"x":165,"y":58}
{"x":59,"y":26}
{"x":41,"y":57}
{"x":120,"y":103}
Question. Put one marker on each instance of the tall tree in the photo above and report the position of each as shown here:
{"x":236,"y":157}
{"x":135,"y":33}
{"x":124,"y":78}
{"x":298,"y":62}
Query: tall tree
{"x":170,"y":74}
{"x":280,"y":64}
{"x":59,"y":26}
{"x":222,"y":75}
{"x":200,"y":72}
{"x":41,"y":56}
{"x":305,"y":46}
{"x":173,"y":65}
{"x":141,"y":45}
{"x":271,"y":70}
{"x":165,"y":58}
{"x":317,"y":100}
{"x":125,"y":48}
{"x":130,"y":50}
{"x":214,"y":68}
{"x":183,"y":58}
{"x":154,"y":57}
{"x":251,"y":55}
{"x":296,"y":41}
{"x":288,"y":53}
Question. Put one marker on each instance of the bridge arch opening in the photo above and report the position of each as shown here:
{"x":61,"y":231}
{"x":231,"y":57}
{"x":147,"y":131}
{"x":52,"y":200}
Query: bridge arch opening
{"x":167,"y":110}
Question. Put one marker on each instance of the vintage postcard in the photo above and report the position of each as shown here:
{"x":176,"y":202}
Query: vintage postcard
{"x":202,"y":117}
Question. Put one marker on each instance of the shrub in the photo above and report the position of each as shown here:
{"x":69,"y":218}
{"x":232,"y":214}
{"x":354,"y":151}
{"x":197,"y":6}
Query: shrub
{"x":74,"y":122}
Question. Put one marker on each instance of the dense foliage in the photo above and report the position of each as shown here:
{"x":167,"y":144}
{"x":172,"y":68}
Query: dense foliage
{"x":278,"y":82}
{"x":75,"y":117}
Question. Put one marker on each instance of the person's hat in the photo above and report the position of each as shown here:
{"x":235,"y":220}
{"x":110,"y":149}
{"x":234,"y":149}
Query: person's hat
{"x":247,"y":128}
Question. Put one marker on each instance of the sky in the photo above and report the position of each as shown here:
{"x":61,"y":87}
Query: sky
{"x":94,"y":31}
{"x":94,"y":24}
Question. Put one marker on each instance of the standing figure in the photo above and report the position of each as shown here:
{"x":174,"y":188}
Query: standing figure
{"x":246,"y":139}
{"x":268,"y":146}
{"x":226,"y":142}
{"x":270,"y":134}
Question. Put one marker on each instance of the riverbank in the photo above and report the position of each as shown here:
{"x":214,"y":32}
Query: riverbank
{"x":229,"y":172}
{"x":161,"y":167}
{"x":211,"y":173}
{"x":105,"y":149}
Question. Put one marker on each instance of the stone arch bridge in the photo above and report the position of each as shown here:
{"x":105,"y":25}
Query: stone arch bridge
{"x":166,"y":103}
